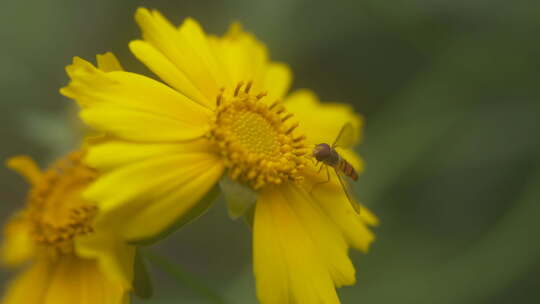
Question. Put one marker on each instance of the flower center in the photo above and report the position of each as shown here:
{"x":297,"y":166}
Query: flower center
{"x":55,"y":207}
{"x":258,"y":144}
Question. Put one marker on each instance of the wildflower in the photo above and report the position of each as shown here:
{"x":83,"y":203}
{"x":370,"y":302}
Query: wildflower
{"x":222,"y":117}
{"x":49,"y":235}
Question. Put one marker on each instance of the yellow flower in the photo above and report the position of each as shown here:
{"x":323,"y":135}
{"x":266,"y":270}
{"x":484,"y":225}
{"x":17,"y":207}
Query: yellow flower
{"x":223,"y":108}
{"x":45,"y":235}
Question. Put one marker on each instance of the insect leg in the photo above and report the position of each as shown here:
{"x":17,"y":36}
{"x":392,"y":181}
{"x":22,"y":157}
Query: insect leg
{"x":322,"y":165}
{"x":323,"y":182}
{"x":327,"y":175}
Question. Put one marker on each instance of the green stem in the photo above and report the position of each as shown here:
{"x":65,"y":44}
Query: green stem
{"x":183,"y":277}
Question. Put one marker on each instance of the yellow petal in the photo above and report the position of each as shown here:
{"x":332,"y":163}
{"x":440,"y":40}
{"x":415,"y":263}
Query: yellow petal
{"x":332,"y":199}
{"x":115,"y":153}
{"x":323,"y":231}
{"x":185,"y":50}
{"x":78,"y":66}
{"x":26,"y":167}
{"x":299,"y":253}
{"x":162,"y":213}
{"x":368,"y":217}
{"x":108,"y":62}
{"x":242,"y":56}
{"x":129,"y":97}
{"x":321,"y":122}
{"x":144,"y":180}
{"x":192,"y":34}
{"x":270,"y":263}
{"x":30,"y":286}
{"x":115,"y":257}
{"x":140,"y":126}
{"x":77,"y":280}
{"x":167,"y":71}
{"x":147,"y":197}
{"x":277,"y":81}
{"x":18,"y":245}
{"x":126,"y":89}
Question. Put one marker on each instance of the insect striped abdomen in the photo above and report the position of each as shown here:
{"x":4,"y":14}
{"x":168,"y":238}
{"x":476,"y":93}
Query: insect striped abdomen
{"x":347,"y":169}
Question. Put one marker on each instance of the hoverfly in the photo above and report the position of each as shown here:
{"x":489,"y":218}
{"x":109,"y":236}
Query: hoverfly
{"x":329,"y":157}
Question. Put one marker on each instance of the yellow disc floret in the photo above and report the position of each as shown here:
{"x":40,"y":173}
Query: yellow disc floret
{"x":55,"y":207}
{"x":258,"y":144}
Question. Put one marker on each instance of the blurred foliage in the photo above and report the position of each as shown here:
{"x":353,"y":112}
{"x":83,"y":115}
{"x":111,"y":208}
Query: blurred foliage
{"x":450,"y":92}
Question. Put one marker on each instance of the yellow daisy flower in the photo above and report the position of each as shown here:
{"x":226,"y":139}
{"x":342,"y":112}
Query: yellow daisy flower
{"x":223,"y":109}
{"x":46,"y":233}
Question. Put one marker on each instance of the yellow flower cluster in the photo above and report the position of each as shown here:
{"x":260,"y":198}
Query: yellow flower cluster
{"x":222,"y":116}
{"x":46,"y":233}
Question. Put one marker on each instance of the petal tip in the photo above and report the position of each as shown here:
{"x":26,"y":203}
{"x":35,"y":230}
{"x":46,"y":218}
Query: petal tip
{"x":25,"y":166}
{"x":142,"y":15}
{"x":108,"y":62}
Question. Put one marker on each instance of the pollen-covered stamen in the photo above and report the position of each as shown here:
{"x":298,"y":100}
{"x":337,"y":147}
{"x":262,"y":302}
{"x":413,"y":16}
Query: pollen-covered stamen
{"x":256,"y":140}
{"x":261,"y":95}
{"x":286,"y":117}
{"x":55,"y":207}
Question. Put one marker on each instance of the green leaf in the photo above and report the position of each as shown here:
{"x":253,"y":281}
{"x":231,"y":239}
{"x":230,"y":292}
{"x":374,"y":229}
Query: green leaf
{"x":249,"y":216}
{"x":199,"y":209}
{"x":142,"y":284}
{"x":239,"y":197}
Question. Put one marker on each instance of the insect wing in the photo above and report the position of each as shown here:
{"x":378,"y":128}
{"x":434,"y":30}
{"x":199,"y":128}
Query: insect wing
{"x":346,"y":138}
{"x":347,"y":190}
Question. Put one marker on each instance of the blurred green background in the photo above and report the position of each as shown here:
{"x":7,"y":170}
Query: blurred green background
{"x":450,"y":93}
